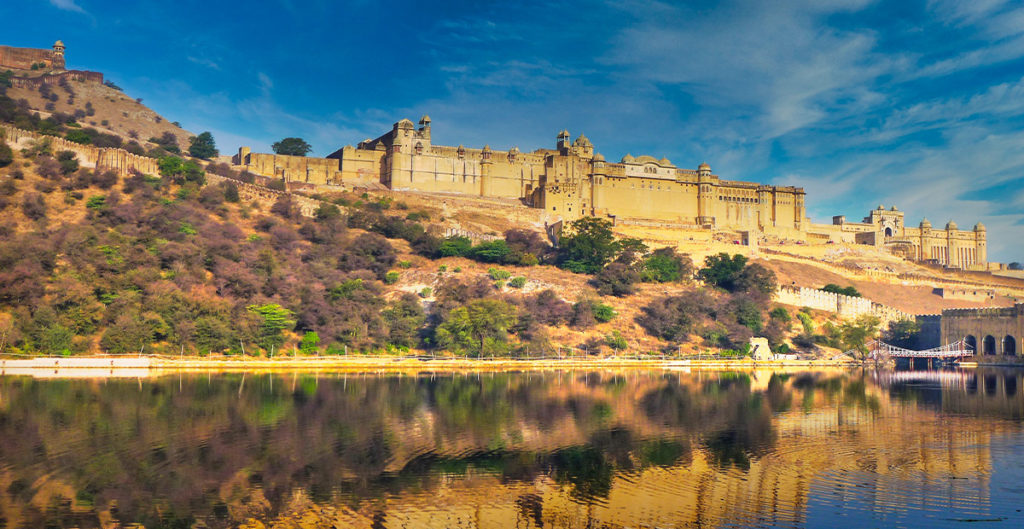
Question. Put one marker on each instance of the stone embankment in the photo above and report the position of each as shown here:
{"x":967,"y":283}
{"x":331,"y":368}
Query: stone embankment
{"x":143,"y":366}
{"x":846,"y":307}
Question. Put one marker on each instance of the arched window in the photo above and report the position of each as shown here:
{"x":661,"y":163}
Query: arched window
{"x":1009,"y":345}
{"x":972,"y":343}
{"x":989,"y":345}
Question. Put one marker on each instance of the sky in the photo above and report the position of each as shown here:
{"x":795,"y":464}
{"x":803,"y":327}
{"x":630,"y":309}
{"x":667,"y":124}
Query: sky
{"x":914,"y":104}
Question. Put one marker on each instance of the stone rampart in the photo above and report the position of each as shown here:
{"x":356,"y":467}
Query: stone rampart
{"x":25,"y":58}
{"x":307,"y":206}
{"x":99,"y":158}
{"x":846,"y":307}
{"x":54,"y":78}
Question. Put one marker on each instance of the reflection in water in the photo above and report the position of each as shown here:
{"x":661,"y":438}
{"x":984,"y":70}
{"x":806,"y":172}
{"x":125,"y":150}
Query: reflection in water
{"x":562,"y":449}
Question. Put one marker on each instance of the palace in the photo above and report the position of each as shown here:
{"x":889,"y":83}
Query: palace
{"x":572,"y":180}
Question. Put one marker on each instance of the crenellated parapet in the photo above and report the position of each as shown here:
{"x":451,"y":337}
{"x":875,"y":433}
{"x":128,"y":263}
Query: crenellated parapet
{"x":100,"y":158}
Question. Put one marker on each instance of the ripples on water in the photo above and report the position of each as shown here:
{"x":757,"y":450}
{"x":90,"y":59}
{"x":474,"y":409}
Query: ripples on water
{"x":568,"y":449}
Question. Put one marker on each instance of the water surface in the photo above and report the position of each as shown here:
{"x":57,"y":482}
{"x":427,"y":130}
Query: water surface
{"x":552,"y":449}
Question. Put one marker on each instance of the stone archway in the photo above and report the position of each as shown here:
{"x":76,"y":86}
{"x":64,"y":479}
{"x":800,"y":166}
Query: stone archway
{"x":989,"y":345}
{"x":1009,"y":345}
{"x":972,"y":343}
{"x":888,"y":232}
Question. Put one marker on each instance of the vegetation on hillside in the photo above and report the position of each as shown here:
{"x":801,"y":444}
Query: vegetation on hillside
{"x":168,"y":263}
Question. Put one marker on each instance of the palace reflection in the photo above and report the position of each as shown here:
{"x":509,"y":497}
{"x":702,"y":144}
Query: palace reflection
{"x":555,"y":449}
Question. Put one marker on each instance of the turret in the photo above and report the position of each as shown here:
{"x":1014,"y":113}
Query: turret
{"x":563,"y":139}
{"x":424,"y":131}
{"x":951,"y":226}
{"x":704,"y":170}
{"x":925,"y":224}
{"x":58,"y":48}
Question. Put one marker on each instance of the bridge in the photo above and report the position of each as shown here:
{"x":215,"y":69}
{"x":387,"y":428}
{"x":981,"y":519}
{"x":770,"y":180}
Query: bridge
{"x":952,"y":352}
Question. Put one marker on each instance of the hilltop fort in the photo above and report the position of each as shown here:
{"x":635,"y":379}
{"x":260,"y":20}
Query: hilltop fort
{"x":572,"y":180}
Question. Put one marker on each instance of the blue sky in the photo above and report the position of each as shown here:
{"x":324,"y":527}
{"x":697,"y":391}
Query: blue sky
{"x":918,"y":104}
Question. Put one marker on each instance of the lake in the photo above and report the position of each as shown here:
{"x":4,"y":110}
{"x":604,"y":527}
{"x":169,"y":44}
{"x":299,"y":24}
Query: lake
{"x":527,"y":449}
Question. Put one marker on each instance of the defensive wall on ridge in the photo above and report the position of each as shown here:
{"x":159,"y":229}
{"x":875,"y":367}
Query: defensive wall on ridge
{"x":54,"y":78}
{"x":115,"y":159}
{"x":846,"y":307}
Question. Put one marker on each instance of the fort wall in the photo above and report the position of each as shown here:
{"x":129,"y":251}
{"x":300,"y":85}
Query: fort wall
{"x":54,"y":78}
{"x":24,"y":58}
{"x":99,"y":158}
{"x":846,"y":307}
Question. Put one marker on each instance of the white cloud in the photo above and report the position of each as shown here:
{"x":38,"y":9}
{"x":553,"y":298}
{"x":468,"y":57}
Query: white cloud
{"x":67,"y":5}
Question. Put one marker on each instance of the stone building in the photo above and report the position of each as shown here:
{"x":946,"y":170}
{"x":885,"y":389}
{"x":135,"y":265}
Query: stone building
{"x":988,"y":331}
{"x":25,"y":58}
{"x":949,"y":246}
{"x":569,"y":181}
{"x":573,"y":180}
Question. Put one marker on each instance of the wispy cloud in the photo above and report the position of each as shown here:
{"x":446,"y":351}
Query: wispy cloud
{"x":67,"y":5}
{"x":204,"y":62}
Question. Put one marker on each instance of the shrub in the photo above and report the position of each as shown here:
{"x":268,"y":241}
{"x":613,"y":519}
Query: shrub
{"x":96,"y":202}
{"x":517,"y":282}
{"x":68,"y":161}
{"x":391,"y":278}
{"x":495,"y":251}
{"x":780,"y":314}
{"x":455,"y":247}
{"x":616,"y":341}
{"x":603,"y":313}
{"x":498,"y":274}
{"x":845,"y":291}
{"x":616,"y":279}
{"x":404,"y":264}
{"x":33,"y":206}
{"x":6,"y":154}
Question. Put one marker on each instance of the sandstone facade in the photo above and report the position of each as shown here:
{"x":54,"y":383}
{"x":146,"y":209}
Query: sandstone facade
{"x":948,"y":246}
{"x":569,"y":181}
{"x":572,"y":180}
{"x":987,"y":331}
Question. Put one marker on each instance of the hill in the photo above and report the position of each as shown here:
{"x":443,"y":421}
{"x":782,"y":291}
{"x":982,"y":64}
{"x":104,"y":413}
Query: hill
{"x":178,"y":254}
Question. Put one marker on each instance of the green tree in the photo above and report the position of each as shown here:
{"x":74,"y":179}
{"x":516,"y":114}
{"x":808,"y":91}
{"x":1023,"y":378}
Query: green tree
{"x":203,"y":146}
{"x":404,"y":317}
{"x":273,"y":320}
{"x":129,"y":334}
{"x":722,"y":270}
{"x":480,"y":327}
{"x":854,"y":335}
{"x":214,"y":335}
{"x":664,"y":265}
{"x":588,"y":246}
{"x":310,"y":344}
{"x":902,"y":333}
{"x":6,"y":154}
{"x":292,"y":147}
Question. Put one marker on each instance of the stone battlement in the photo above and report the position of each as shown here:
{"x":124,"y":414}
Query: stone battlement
{"x":118,"y":160}
{"x":846,"y":307}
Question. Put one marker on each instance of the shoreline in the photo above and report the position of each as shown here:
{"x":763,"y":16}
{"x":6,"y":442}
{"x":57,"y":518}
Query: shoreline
{"x":101,"y":366}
